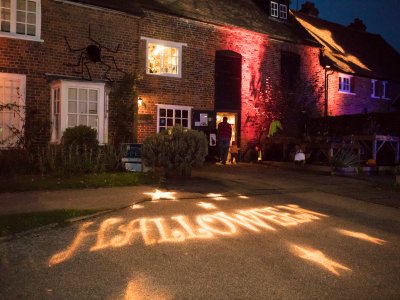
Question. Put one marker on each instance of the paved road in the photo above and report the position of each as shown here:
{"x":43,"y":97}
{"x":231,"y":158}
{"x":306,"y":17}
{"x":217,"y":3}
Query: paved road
{"x":230,"y":233}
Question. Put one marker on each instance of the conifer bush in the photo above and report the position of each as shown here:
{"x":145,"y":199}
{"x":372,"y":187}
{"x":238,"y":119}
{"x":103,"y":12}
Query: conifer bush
{"x":176,"y":150}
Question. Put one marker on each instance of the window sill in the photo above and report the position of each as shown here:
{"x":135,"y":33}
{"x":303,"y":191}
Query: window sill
{"x":165,"y":75}
{"x":20,"y":37}
{"x":347,"y":93}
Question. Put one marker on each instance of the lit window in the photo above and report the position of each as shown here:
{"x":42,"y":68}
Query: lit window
{"x":171,"y":115}
{"x":78,"y":103}
{"x":20,"y":19}
{"x":345,"y":83}
{"x":282,"y":11}
{"x":12,"y":108}
{"x":163,"y":57}
{"x":274,"y":9}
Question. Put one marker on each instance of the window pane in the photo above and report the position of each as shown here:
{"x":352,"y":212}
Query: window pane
{"x":83,"y":95}
{"x":162,"y":121}
{"x":72,"y":94}
{"x":5,"y":3}
{"x":170,"y":122}
{"x":178,"y":113}
{"x":72,"y":106}
{"x":21,"y":16}
{"x":82,"y":120}
{"x":72,"y":120}
{"x":5,"y":26}
{"x":82,"y":108}
{"x":20,"y":28}
{"x":31,"y":6}
{"x":93,"y":121}
{"x":21,"y":4}
{"x":93,"y":95}
{"x":185,"y":114}
{"x":154,"y":58}
{"x":177,"y":122}
{"x":31,"y":30}
{"x":31,"y":18}
{"x":170,"y":113}
{"x":185,"y":123}
{"x":163,"y":113}
{"x":92,"y":108}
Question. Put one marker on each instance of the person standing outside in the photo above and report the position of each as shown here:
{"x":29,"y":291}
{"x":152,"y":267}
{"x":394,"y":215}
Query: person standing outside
{"x":224,"y":138}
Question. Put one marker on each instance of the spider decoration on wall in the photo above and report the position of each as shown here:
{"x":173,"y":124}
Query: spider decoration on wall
{"x":92,"y":54}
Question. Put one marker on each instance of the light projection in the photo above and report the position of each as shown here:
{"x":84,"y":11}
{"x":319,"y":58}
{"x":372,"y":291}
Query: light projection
{"x":218,"y":197}
{"x":142,"y":287}
{"x":319,"y":258}
{"x":158,"y":195}
{"x":362,"y":236}
{"x":206,"y":205}
{"x":117,"y":232}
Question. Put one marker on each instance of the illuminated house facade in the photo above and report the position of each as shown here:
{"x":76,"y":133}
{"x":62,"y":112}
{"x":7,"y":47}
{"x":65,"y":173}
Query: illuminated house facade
{"x":362,"y":69}
{"x":200,"y":60}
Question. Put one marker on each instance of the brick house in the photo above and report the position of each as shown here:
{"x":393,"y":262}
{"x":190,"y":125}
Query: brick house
{"x":361,"y":68}
{"x":200,"y":60}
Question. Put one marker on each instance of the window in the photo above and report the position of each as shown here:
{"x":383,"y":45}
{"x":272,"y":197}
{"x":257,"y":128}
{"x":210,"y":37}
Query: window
{"x":379,"y":89}
{"x":12,"y":113}
{"x":170,"y":115}
{"x":274,"y":9}
{"x":346,"y":83}
{"x":290,"y":70}
{"x":163,"y":57}
{"x":20,"y":19}
{"x":283,"y":11}
{"x":78,"y":103}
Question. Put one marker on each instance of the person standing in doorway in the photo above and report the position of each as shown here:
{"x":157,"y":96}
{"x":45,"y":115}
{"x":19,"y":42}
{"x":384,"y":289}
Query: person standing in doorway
{"x":224,"y":139}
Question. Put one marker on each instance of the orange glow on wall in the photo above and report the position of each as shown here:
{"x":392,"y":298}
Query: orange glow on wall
{"x":361,"y":236}
{"x":117,"y":232}
{"x":319,"y":258}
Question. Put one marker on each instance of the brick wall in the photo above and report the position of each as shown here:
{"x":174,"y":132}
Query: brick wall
{"x":35,"y":59}
{"x":360,"y":101}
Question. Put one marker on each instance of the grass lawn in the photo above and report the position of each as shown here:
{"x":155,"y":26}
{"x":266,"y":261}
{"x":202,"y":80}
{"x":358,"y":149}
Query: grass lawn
{"x":22,"y":183}
{"x":11,"y":224}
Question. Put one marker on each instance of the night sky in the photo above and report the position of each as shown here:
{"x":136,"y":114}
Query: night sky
{"x":380,"y":16}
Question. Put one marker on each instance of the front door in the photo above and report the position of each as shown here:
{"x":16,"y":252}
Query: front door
{"x":232,"y":119}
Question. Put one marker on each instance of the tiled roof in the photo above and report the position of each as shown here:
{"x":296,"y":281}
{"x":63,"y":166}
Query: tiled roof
{"x":353,"y":51}
{"x":247,"y":14}
{"x":125,"y":6}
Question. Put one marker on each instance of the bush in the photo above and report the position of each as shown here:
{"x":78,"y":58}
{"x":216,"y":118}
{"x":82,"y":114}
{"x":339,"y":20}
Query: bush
{"x":80,"y":137}
{"x":344,"y":158}
{"x":177,"y":150}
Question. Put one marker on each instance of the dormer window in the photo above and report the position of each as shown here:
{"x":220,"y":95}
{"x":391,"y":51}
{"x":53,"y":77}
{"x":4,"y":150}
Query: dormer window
{"x":274,"y":9}
{"x":283,"y":11}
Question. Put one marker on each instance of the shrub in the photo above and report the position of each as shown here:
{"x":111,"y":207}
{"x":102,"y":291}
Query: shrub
{"x":80,"y":137}
{"x":345,"y":157}
{"x":177,"y":150}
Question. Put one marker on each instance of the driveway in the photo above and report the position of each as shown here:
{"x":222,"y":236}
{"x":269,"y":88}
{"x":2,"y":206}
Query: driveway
{"x":232,"y":232}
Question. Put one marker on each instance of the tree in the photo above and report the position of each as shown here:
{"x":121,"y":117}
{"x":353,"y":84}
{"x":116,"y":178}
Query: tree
{"x":309,"y":9}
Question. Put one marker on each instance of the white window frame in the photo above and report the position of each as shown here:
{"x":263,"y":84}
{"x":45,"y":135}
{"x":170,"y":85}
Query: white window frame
{"x":13,"y":23}
{"x":283,"y":11}
{"x":165,"y":44}
{"x":102,"y":108}
{"x":274,"y":9}
{"x":174,"y":108}
{"x":384,"y":90}
{"x":374,"y":84}
{"x":342,"y":85}
{"x":22,"y":91}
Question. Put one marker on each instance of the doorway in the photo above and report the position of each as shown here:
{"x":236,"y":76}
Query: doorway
{"x":233,"y":120}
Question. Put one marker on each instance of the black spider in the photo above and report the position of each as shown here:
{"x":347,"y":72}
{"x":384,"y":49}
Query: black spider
{"x":92,"y":54}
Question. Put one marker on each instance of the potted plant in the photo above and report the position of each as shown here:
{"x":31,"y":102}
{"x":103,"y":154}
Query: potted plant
{"x":345,"y":162}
